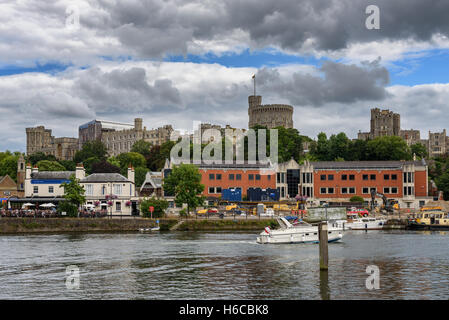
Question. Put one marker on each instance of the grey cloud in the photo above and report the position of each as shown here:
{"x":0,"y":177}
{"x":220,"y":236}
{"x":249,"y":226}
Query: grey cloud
{"x":155,"y":28}
{"x":336,"y":82}
{"x":124,"y":90}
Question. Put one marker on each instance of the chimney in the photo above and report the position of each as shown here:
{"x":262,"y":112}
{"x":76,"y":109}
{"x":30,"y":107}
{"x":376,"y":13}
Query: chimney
{"x":131,"y":174}
{"x":28,"y":171}
{"x":80,"y":173}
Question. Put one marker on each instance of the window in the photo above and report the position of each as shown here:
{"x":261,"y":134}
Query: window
{"x":89,"y":190}
{"x":372,"y":189}
{"x":352,"y":190}
{"x":365,"y":177}
{"x":394,"y":190}
{"x":103,"y":189}
{"x":238,"y":176}
{"x":257,"y":176}
{"x":218,"y":176}
{"x":330,"y":190}
{"x":35,"y":189}
{"x":351,"y":177}
{"x":323,"y":177}
{"x":344,"y":177}
{"x":386,"y":190}
{"x":344,"y":190}
{"x":394,"y":177}
{"x":117,"y":189}
{"x":250,"y":177}
{"x":211,"y":190}
{"x":278,"y":177}
{"x":330,"y":177}
{"x":211,"y":176}
{"x":269,"y":178}
{"x":323,"y":190}
{"x":365,"y":190}
{"x":118,"y":206}
{"x":231,"y":176}
{"x":386,"y":177}
{"x":50,"y":189}
{"x":372,"y":177}
{"x":218,"y":190}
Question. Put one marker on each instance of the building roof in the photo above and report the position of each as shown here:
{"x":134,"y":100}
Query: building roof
{"x":364,"y":164}
{"x":152,"y":180}
{"x":105,"y":177}
{"x":43,"y":175}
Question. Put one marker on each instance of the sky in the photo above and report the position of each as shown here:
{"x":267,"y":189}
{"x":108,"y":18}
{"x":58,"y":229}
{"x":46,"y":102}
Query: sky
{"x":64,"y":63}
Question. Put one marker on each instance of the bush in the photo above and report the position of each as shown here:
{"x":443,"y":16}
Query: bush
{"x":356,"y":199}
{"x":70,"y":209}
{"x":183,"y":213}
{"x":159,"y":207}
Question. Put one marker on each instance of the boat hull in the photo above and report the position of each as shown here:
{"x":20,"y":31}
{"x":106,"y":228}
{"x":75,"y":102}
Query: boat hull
{"x":416,"y":226}
{"x":297,"y":237}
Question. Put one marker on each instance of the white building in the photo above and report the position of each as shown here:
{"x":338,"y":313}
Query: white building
{"x":108,"y":191}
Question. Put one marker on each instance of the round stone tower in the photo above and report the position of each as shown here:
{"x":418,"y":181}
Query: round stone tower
{"x":271,"y":115}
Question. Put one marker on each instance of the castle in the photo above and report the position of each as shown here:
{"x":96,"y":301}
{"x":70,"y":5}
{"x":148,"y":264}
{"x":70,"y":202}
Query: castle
{"x":270,"y":116}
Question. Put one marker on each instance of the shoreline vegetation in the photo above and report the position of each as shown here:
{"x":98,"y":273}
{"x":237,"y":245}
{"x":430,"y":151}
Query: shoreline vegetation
{"x":67,"y":225}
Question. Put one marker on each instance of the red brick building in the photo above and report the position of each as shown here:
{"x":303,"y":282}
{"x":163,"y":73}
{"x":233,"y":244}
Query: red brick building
{"x":217,"y":177}
{"x":405,"y":181}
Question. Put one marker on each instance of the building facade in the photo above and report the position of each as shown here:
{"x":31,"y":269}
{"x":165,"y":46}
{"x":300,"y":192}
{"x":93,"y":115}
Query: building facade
{"x":93,"y":130}
{"x":270,"y":116}
{"x":329,"y":181}
{"x":122,"y":140}
{"x":217,"y":177}
{"x":383,"y":123}
{"x":40,"y":139}
{"x":111,"y":192}
{"x":437,"y":144}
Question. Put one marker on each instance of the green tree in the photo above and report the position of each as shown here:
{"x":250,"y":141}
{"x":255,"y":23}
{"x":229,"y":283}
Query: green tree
{"x":289,"y":144}
{"x":70,"y":209}
{"x":47,"y":165}
{"x":39,"y":156}
{"x":140,"y":174}
{"x":89,"y":163}
{"x":69,"y":165}
{"x":388,"y":148}
{"x":143,"y":147}
{"x":443,"y":184}
{"x":91,"y":149}
{"x":8,"y":165}
{"x":419,"y":150}
{"x":104,"y":167}
{"x":339,"y":146}
{"x":160,"y":205}
{"x":130,"y":158}
{"x":74,"y":192}
{"x":184,"y":182}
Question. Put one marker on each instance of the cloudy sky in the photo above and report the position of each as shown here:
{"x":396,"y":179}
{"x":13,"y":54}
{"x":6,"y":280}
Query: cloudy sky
{"x":63,"y":63}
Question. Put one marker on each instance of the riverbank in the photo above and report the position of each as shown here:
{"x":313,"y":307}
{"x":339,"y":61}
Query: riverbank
{"x":57,"y":225}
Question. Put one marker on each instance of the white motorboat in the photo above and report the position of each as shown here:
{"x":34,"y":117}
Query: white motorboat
{"x":149,"y":229}
{"x":300,"y":233}
{"x":367,"y":223}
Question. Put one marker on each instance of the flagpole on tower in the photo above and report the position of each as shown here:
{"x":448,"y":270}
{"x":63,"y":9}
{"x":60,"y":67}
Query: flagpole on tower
{"x":254,"y":77}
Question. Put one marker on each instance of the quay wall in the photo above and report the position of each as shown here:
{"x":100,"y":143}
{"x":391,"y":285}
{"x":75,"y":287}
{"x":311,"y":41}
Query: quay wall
{"x":56,"y":225}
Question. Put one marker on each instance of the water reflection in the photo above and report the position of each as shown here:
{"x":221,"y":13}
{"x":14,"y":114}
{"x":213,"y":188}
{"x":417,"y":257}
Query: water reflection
{"x":190,"y":265}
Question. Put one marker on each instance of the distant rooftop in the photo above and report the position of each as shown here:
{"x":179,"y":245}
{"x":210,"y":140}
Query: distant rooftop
{"x":108,"y":124}
{"x":105,"y":177}
{"x":364,"y":164}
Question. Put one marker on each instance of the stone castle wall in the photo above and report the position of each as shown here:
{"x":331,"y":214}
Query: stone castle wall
{"x":271,"y":115}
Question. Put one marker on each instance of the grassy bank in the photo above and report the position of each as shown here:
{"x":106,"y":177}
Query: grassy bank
{"x":215,"y":225}
{"x":56,"y":225}
{"x":32,"y":225}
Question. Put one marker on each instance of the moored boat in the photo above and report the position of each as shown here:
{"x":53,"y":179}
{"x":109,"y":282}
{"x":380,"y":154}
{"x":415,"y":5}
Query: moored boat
{"x":302,"y":232}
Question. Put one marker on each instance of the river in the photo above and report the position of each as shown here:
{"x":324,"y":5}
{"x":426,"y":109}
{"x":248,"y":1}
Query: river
{"x":222,"y":265}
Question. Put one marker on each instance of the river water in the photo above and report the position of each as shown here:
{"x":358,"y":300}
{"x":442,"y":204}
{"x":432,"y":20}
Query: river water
{"x":219,"y":265}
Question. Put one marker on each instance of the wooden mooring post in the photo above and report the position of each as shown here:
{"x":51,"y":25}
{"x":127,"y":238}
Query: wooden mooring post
{"x":322,"y":236}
